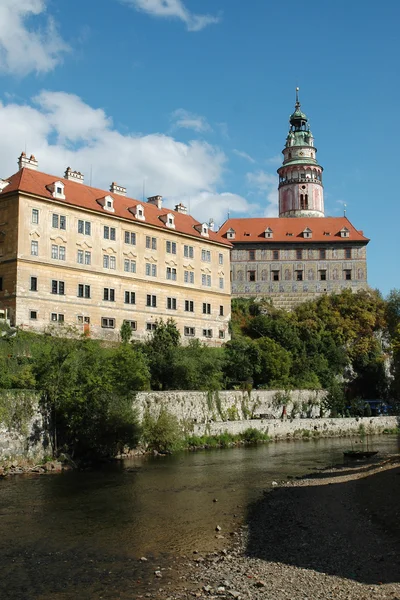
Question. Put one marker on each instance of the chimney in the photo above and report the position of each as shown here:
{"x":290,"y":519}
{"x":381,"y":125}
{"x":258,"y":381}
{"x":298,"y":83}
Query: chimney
{"x":156,"y":200}
{"x":73,"y":175}
{"x":117,"y":189}
{"x":211,"y":224}
{"x":27,"y":163}
{"x":181,"y":208}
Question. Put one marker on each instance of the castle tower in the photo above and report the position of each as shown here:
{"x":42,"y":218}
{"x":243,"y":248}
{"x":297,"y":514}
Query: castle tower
{"x":301,"y":193}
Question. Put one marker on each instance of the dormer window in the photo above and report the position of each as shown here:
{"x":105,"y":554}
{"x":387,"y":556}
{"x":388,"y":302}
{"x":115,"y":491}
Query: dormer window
{"x":344,"y":233}
{"x":307,"y":233}
{"x":168,"y":220}
{"x":230,"y":234}
{"x":268,"y":233}
{"x":140,"y":213}
{"x":107,"y":203}
{"x":57,"y":190}
{"x":202,"y":228}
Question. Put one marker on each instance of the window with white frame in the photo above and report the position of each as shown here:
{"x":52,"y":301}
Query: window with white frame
{"x":206,"y":280}
{"x":132,"y":324}
{"x":151,"y":242}
{"x":109,"y":233}
{"x":189,"y":331}
{"x":221,"y":283}
{"x":151,"y":326}
{"x":130,"y":297}
{"x":88,"y":257}
{"x":188,"y":276}
{"x":189,"y":306}
{"x":80,"y":257}
{"x":151,"y":270}
{"x":129,"y":265}
{"x":57,"y":287}
{"x":33,"y":315}
{"x":58,"y":252}
{"x":206,"y":308}
{"x":188,"y":251}
{"x":171,"y":303}
{"x":109,"y":262}
{"x":130,"y":238}
{"x":59,"y":221}
{"x":34,"y":248}
{"x":57,"y":318}
{"x":220,"y":259}
{"x":109,"y":294}
{"x":81,"y":319}
{"x":170,"y":247}
{"x":35,"y":216}
{"x":84,"y":227}
{"x":207,"y":333}
{"x":151,"y":300}
{"x":83,"y":290}
{"x":206,"y":255}
{"x":171,"y":273}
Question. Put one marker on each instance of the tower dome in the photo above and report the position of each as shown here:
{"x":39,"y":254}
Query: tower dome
{"x":301,"y":192}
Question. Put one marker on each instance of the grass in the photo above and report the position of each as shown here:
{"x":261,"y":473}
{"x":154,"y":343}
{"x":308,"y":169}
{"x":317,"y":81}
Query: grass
{"x":226,"y":440}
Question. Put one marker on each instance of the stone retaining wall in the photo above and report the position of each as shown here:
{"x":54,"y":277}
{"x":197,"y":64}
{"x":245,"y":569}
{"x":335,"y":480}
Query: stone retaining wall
{"x":283,"y":429}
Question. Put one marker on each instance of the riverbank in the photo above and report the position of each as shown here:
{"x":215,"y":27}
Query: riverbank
{"x":334,"y":534}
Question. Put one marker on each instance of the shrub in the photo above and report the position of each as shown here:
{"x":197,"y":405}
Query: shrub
{"x":162,"y":433}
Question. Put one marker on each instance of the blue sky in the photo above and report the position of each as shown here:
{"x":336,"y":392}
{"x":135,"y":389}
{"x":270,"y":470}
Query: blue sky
{"x":190,"y":99}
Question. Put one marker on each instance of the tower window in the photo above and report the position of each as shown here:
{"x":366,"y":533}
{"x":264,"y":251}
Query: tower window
{"x":299,"y":254}
{"x":275,"y":275}
{"x":304,"y":201}
{"x":347,"y":274}
{"x":322,"y":254}
{"x":251,"y":275}
{"x":299,"y":275}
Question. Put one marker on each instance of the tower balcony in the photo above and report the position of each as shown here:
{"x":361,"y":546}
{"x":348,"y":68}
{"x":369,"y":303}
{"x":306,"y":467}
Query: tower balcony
{"x":288,"y":180}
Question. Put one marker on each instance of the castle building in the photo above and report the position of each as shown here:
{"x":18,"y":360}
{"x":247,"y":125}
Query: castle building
{"x":89,"y":258}
{"x":301,"y":254}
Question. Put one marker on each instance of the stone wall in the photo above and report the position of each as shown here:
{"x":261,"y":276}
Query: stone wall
{"x":207,"y":407}
{"x":19,"y":436}
{"x":284,"y":429}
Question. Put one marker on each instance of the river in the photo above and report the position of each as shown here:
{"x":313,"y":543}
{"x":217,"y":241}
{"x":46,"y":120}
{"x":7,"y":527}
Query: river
{"x":81,"y":534}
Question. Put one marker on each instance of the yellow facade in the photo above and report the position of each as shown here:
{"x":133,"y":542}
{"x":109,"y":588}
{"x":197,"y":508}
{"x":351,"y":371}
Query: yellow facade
{"x":56,"y":270}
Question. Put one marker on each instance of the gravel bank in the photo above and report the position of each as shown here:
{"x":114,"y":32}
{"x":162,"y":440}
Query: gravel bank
{"x":335,"y":534}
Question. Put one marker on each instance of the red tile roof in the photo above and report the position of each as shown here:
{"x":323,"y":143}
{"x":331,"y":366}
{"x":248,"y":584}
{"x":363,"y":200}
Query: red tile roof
{"x":86,"y":197}
{"x":290,"y":229}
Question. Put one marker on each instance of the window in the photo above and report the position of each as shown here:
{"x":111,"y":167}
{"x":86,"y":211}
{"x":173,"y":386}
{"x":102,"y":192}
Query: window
{"x":109,"y":262}
{"x":151,"y":242}
{"x":57,"y":287}
{"x":171,"y":273}
{"x":59,"y":190}
{"x":299,"y":254}
{"x":252,"y":255}
{"x":322,"y":254}
{"x":304,"y":200}
{"x":33,"y":315}
{"x":189,"y":331}
{"x":189,"y":306}
{"x":58,"y":252}
{"x":188,"y":276}
{"x":347,"y":253}
{"x":206,"y":308}
{"x":170,"y":247}
{"x":347,"y":274}
{"x":275,"y":275}
{"x":220,"y":259}
{"x":57,"y":317}
{"x":79,"y":257}
{"x":322,"y":275}
{"x":34,"y":284}
{"x":84,"y":227}
{"x":84,"y":257}
{"x":251,"y":275}
{"x":206,"y":280}
{"x":82,"y":319}
{"x":83,"y":291}
{"x":221,"y":334}
{"x":188,"y":251}
{"x":151,"y":300}
{"x":88,"y":257}
{"x":130,"y":238}
{"x":107,"y":323}
{"x":151,"y":270}
{"x":109,"y":294}
{"x":171,"y":303}
{"x":206,"y":255}
{"x":129,"y":266}
{"x":207,"y":333}
{"x":132,"y":324}
{"x":35,"y":217}
{"x":221,"y":283}
{"x":221,"y":311}
{"x":34,"y":248}
{"x":299,"y":275}
{"x":151,"y":326}
{"x":59,"y":221}
{"x":109,"y":233}
{"x":275,"y":254}
{"x":130,"y":297}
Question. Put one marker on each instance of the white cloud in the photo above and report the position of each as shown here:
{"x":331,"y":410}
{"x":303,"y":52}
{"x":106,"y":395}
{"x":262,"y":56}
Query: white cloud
{"x":173,"y":9}
{"x":61,"y":130}
{"x":275,"y":160}
{"x":266,"y":184}
{"x":244,"y":155}
{"x":187,"y":120}
{"x":24,"y":49}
